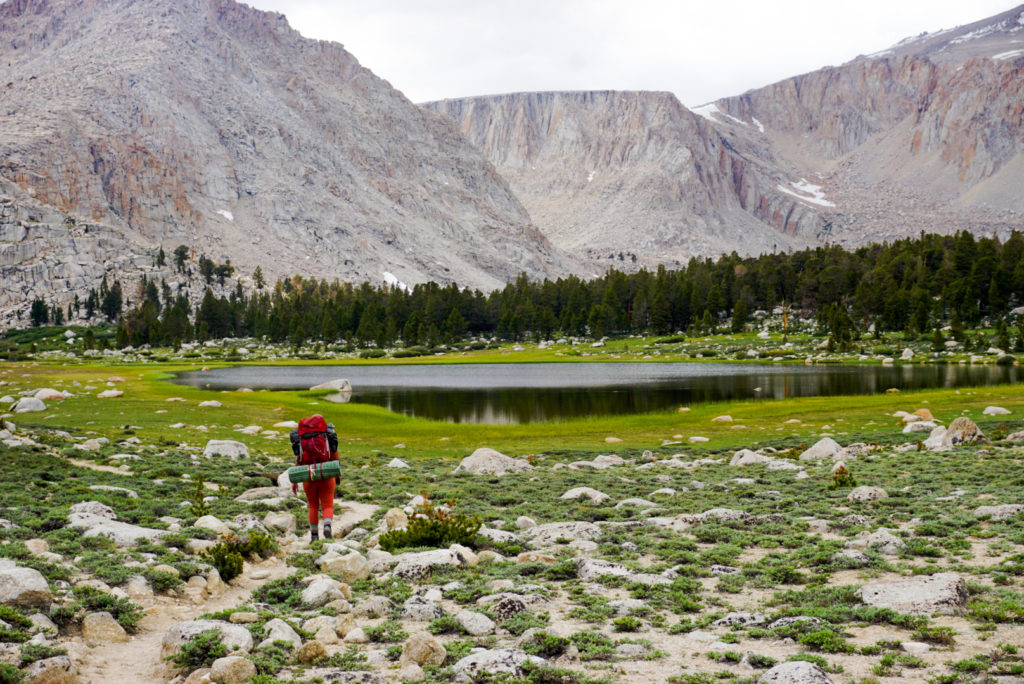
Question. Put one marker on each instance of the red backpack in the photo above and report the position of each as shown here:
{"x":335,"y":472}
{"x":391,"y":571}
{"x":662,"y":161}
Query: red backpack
{"x":313,"y":441}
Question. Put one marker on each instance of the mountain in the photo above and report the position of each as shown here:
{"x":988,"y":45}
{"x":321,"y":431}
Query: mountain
{"x":927,"y":135}
{"x":924,"y":136}
{"x":609,"y":176}
{"x":215,"y":125}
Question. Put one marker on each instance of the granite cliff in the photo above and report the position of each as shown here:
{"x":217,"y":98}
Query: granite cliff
{"x":608,"y":175}
{"x":211,"y":124}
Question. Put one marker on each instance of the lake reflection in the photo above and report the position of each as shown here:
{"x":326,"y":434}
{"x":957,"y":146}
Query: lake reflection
{"x":542,"y":392}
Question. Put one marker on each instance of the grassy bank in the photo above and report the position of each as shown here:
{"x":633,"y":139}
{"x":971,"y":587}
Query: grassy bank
{"x":149,"y":407}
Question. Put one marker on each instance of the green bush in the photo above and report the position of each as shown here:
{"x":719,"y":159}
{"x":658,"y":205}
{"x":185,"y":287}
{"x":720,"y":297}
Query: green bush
{"x":593,"y":645}
{"x":91,"y":600}
{"x":9,"y":674}
{"x":546,"y":645}
{"x":225,"y":557}
{"x":433,"y":526}
{"x":30,"y":653}
{"x":627,"y":623}
{"x":162,"y":580}
{"x":200,"y":651}
{"x":389,"y":632}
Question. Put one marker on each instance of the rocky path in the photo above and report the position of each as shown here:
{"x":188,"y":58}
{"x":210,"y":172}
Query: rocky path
{"x":140,"y":659}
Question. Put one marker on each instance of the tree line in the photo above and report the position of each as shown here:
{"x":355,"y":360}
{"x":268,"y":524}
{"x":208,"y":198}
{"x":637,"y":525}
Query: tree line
{"x":911,"y":285}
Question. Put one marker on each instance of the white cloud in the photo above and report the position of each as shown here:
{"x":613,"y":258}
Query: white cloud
{"x":697,"y":49}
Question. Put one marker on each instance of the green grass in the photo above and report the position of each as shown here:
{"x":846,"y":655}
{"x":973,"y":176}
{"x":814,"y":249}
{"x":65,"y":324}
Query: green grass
{"x":366,"y":431}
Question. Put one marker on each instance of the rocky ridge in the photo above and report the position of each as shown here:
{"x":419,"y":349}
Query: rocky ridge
{"x":631,"y":178}
{"x":218,"y":126}
{"x":928,"y":135}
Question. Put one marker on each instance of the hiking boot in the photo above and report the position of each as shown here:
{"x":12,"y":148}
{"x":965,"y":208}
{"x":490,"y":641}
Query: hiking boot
{"x":314,"y":535}
{"x":327,"y":530}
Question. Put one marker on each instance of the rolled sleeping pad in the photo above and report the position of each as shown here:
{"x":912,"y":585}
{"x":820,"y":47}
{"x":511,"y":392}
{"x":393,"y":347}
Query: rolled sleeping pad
{"x":315,"y":471}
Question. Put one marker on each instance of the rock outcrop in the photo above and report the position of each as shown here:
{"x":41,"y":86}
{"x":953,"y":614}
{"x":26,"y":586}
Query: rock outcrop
{"x":212,"y":124}
{"x":588,"y":164}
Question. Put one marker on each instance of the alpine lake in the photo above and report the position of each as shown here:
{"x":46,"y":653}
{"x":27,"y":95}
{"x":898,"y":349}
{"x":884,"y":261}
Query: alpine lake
{"x":514,"y":393}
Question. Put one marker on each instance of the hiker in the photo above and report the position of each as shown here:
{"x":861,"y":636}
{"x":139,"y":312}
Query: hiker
{"x":314,"y":442}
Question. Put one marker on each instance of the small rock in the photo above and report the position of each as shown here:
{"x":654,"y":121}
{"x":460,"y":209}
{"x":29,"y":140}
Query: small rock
{"x":232,"y":670}
{"x":423,"y":649}
{"x":226,"y":448}
{"x":823,"y":448}
{"x":102,"y":627}
{"x":963,"y":430}
{"x":486,"y":461}
{"x":310,"y":652}
{"x":865,"y":493}
{"x":795,"y":672}
{"x":944,"y":593}
{"x":476,"y":624}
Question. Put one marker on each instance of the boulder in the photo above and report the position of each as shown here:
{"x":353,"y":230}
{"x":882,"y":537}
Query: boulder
{"x":102,"y":627}
{"x":24,"y":587}
{"x":920,"y":426}
{"x":411,"y":672}
{"x":549,"y":534}
{"x":310,"y":652}
{"x":745,"y":457}
{"x":232,"y":670}
{"x":213,"y":524}
{"x":281,"y":521}
{"x":56,"y":670}
{"x":350,"y":567}
{"x":322,"y":591}
{"x":397,"y":463}
{"x":423,"y":649}
{"x":740,"y":618}
{"x":279,"y":630}
{"x":795,"y":672}
{"x":996,"y":411}
{"x":593,"y":495}
{"x":865,"y":493}
{"x":28,"y":405}
{"x":525,"y":522}
{"x":923,"y":414}
{"x":885,"y":542}
{"x":48,"y":394}
{"x":226,"y":448}
{"x":493,"y":662}
{"x":486,"y":461}
{"x":963,"y":430}
{"x":944,"y":593}
{"x":475,"y":624}
{"x":1000,"y":512}
{"x":110,"y":394}
{"x":235,"y":637}
{"x":339,"y":385}
{"x":419,"y":564}
{"x":421,"y":608}
{"x":823,"y":448}
{"x":395,"y":519}
{"x":211,"y":403}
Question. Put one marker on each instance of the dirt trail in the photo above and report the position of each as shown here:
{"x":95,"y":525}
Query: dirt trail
{"x":139,"y":660}
{"x":119,"y":470}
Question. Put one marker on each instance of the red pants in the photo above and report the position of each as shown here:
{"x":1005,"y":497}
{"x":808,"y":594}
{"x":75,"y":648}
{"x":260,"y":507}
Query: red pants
{"x":319,"y":496}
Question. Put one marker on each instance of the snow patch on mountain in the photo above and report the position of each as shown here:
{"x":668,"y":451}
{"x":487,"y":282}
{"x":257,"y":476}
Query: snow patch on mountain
{"x":226,"y":214}
{"x":803,"y":188}
{"x":392,"y":280}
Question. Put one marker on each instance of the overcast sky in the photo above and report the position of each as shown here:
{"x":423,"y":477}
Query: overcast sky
{"x":699,"y":49}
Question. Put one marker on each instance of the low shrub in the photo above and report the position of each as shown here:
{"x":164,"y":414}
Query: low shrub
{"x":433,"y":526}
{"x":200,"y":651}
